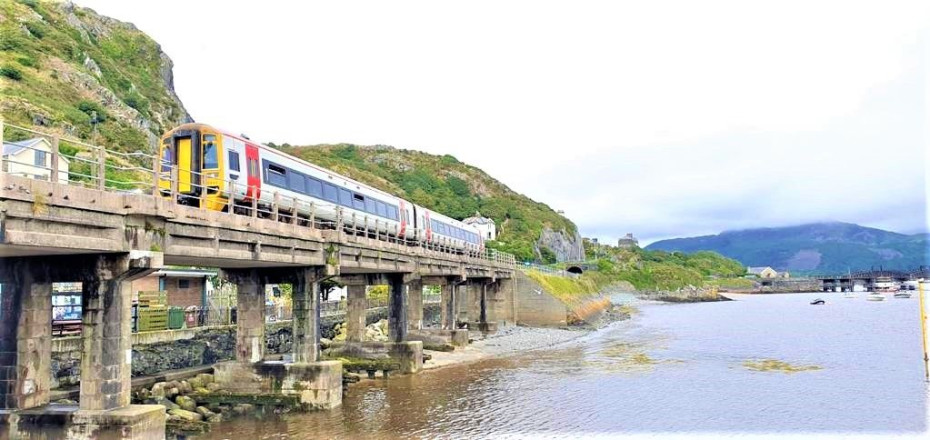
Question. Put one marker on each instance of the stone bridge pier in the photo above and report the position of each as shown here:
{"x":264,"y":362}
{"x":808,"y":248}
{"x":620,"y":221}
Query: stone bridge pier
{"x":104,"y":410}
{"x":407,"y":352}
{"x":447,"y":333}
{"x":486,"y":303}
{"x":304,"y":378}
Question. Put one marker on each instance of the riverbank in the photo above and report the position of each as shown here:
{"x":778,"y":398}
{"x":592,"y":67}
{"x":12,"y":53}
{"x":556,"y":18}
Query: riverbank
{"x":692,"y":295}
{"x":514,"y":340}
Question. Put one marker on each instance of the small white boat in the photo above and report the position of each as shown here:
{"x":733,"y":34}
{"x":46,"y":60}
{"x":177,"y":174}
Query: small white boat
{"x":875,"y":297}
{"x":902,"y":295}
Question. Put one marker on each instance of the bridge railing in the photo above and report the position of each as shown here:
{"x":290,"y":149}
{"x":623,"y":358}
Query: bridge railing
{"x":74,"y":162}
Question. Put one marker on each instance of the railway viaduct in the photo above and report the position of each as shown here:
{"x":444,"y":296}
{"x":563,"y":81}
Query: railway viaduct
{"x":57,"y":232}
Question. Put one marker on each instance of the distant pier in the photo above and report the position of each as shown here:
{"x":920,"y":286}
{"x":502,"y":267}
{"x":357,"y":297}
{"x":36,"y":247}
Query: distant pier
{"x":868,"y":279}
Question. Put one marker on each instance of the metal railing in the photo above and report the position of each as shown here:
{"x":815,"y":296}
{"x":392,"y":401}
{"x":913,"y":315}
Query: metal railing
{"x":548,"y":270}
{"x":96,"y":167}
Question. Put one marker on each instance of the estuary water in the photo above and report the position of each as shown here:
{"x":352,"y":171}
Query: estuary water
{"x":673,"y":368}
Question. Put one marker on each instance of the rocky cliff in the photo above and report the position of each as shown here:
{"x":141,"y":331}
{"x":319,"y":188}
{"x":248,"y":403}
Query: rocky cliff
{"x":562,"y":244}
{"x":61,"y":65}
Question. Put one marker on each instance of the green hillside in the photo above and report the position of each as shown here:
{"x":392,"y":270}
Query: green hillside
{"x":661,"y":270}
{"x":60,"y":64}
{"x":445,"y":185}
{"x":818,"y":247}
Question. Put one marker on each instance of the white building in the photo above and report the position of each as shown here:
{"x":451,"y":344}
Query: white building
{"x":484,"y":225}
{"x":32,"y":158}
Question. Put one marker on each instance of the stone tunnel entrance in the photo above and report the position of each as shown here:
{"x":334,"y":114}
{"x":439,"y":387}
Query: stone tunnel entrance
{"x":575,"y":269}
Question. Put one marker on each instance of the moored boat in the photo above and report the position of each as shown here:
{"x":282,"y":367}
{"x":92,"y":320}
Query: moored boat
{"x":875,"y":297}
{"x":902,"y":294}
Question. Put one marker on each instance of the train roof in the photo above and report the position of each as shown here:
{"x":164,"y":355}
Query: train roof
{"x":310,"y":164}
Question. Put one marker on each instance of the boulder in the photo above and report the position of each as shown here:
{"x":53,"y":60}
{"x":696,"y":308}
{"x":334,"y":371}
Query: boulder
{"x":195,"y":383}
{"x":215,"y":418}
{"x":186,"y":415}
{"x":165,"y":402}
{"x":158,"y":390}
{"x":206,"y":413}
{"x":171,"y":392}
{"x":213,"y":387}
{"x":186,"y":403}
{"x":205,"y":378}
{"x":184,"y":387}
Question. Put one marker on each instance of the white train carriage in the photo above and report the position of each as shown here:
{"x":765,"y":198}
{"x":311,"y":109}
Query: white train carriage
{"x":212,"y":165}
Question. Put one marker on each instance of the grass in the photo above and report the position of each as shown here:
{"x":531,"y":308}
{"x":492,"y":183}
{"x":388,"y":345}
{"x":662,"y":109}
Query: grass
{"x":45,"y":60}
{"x":777,"y":366}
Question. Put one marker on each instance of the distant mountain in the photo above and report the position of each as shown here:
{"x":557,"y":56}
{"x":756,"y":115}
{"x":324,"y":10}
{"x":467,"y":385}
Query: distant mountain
{"x":817,"y":247}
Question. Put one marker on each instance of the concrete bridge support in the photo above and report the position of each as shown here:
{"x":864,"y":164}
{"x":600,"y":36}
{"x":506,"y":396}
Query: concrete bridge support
{"x":25,"y":335}
{"x":408,"y":354}
{"x":499,"y":302}
{"x":356,"y":313}
{"x":316,"y":384}
{"x":397,"y":308}
{"x":104,"y":409}
{"x":415,"y":304}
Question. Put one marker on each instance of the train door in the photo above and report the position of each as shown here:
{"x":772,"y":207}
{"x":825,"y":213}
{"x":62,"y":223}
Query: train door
{"x":403,"y":220}
{"x":427,"y":225}
{"x":253,"y":179}
{"x":185,"y":164}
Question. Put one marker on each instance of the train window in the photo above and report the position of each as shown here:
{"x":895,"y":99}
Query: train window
{"x":166,"y":159}
{"x":295,"y":181}
{"x":330,"y":192}
{"x":314,"y":187}
{"x":275,"y":174}
{"x":370,"y":206}
{"x":211,"y":158}
{"x":392,"y":212}
{"x":382,"y":208}
{"x":358,"y":202}
{"x":345,"y":197}
{"x":233,"y":161}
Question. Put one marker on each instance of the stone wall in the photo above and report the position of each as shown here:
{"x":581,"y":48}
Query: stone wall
{"x":155,"y":352}
{"x":535,"y":307}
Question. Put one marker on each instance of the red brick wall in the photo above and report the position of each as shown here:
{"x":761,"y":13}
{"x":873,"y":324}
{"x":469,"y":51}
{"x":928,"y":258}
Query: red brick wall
{"x":144,"y":284}
{"x":191,"y":296}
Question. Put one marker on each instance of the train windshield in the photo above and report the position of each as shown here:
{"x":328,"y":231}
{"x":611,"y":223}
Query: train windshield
{"x":210,"y":152}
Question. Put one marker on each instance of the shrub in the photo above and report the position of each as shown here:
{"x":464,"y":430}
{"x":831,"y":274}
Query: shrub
{"x":11,"y":73}
{"x":27,"y":61}
{"x":89,"y":106}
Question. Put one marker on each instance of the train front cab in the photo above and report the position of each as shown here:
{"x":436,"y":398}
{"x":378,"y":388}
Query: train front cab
{"x":196,"y":152}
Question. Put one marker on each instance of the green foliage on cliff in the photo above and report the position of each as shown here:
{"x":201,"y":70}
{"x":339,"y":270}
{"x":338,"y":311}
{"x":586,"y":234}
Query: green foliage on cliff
{"x":62,"y":63}
{"x":447,"y":186}
{"x":660,"y":270}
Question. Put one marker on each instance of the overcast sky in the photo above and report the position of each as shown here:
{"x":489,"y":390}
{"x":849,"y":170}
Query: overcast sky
{"x":657,"y":118}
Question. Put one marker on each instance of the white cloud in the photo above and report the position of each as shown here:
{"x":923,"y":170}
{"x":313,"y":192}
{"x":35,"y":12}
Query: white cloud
{"x":675,"y":118}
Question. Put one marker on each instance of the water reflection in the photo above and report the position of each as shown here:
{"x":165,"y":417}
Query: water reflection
{"x":674,"y":368}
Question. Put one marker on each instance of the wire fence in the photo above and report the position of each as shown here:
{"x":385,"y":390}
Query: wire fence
{"x":37,"y":155}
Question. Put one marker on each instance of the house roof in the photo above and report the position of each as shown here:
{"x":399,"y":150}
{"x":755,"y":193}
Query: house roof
{"x":15,"y":147}
{"x":477,"y":219}
{"x":756,"y":270}
{"x":12,"y":148}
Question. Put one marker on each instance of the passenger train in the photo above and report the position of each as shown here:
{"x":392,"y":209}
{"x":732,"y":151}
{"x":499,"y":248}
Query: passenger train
{"x":227,"y":165}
